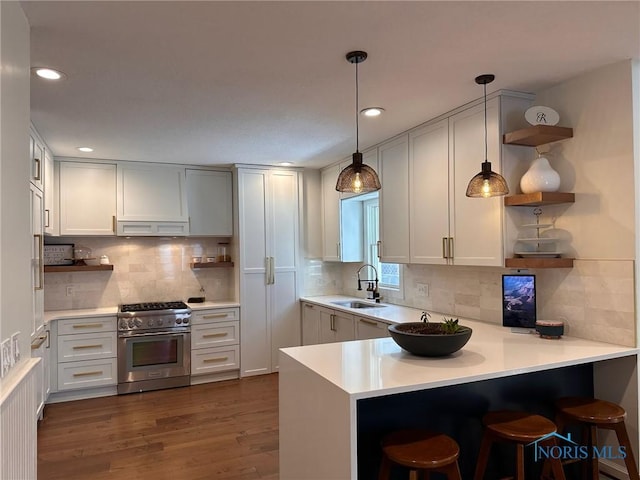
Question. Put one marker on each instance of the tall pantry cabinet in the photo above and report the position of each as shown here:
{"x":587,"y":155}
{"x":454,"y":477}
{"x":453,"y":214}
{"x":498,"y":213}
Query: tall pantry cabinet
{"x":268,"y":235}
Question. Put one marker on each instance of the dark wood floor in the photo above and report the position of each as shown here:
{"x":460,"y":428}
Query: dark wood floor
{"x":225,"y":430}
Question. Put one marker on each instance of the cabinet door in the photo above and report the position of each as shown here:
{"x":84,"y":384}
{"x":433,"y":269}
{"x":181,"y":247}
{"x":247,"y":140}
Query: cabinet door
{"x":344,"y":327}
{"x":327,"y":326}
{"x":367,"y":328}
{"x":330,"y":215}
{"x":210,"y":202}
{"x":36,"y":151}
{"x":51,"y":224}
{"x":310,"y":324}
{"x":394,"y":200}
{"x":151,"y":193}
{"x":37,"y":265}
{"x":87,"y":198}
{"x":429,"y":192}
{"x":475,"y":223}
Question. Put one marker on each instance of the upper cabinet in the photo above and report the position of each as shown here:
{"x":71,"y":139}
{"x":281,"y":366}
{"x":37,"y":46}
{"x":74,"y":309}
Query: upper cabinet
{"x":51,"y":180}
{"x":151,"y":200}
{"x":210,"y":202}
{"x":87,"y":196}
{"x":393,"y":157}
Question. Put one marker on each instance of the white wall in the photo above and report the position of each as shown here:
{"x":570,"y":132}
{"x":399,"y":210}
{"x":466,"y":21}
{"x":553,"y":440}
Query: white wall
{"x":15,"y":233}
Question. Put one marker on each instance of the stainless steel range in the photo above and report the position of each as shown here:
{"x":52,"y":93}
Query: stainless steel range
{"x":154,"y":346}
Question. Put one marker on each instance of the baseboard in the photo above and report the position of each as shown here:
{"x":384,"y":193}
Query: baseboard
{"x":613,"y":470}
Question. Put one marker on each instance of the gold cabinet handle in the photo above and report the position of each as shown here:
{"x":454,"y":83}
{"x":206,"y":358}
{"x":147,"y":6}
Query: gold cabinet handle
{"x":82,"y":347}
{"x":215,"y":315}
{"x":47,"y":223}
{"x":368,"y":322}
{"x":40,"y":240}
{"x":451,"y":255}
{"x":379,"y":245}
{"x":86,"y":374}
{"x":37,"y":176}
{"x":215,"y":359}
{"x":308,"y":305}
{"x":213,"y":335}
{"x":113,"y":223}
{"x":88,"y":325}
{"x":444,"y":247}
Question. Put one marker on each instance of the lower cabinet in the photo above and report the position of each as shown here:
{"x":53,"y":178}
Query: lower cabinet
{"x":368,"y":328}
{"x":40,"y":348}
{"x":83,"y":357}
{"x":215,"y":345}
{"x":325,"y":325}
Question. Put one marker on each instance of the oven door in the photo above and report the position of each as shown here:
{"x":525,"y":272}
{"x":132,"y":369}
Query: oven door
{"x":153,"y":355}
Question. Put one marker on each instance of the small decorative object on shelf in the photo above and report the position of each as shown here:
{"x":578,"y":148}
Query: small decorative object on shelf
{"x":540,"y":177}
{"x":540,"y":115}
{"x":543,"y":247}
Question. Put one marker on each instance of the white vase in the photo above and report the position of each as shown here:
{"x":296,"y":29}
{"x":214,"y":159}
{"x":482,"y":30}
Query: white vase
{"x":540,"y":177}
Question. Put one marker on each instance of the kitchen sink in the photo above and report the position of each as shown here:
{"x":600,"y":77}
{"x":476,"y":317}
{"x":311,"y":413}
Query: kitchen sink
{"x":357,"y":304}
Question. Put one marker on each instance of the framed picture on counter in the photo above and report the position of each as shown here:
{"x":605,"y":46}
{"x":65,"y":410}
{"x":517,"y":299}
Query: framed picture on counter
{"x":519,"y":301}
{"x":60,"y":254}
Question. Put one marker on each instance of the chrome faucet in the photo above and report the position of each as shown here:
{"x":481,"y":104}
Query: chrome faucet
{"x":373,"y":287}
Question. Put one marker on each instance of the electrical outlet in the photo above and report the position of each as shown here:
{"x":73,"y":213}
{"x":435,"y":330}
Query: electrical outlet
{"x":15,"y":348}
{"x":422,"y":289}
{"x":70,"y":290}
{"x":5,"y":357}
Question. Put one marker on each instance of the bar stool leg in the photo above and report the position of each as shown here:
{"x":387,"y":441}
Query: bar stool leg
{"x":452,"y":471}
{"x":623,"y":440}
{"x":385,"y":468}
{"x":593,"y":441}
{"x":519,"y":461}
{"x":556,"y":464}
{"x":483,"y":456}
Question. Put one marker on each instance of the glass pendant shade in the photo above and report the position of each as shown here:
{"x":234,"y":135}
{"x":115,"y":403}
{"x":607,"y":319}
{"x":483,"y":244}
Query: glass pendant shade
{"x":358,"y":177}
{"x":487,"y":183}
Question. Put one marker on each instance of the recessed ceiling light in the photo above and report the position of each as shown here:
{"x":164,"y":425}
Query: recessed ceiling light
{"x":372,"y":111}
{"x":85,"y":149}
{"x":48,"y":73}
{"x":285,"y":164}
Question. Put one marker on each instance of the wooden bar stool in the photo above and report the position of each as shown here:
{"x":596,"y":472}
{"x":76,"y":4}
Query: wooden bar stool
{"x":592,"y":414}
{"x":520,"y":428}
{"x":421,"y":451}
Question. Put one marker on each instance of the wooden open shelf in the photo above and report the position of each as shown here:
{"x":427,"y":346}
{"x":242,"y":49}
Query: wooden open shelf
{"x":211,"y":264}
{"x":537,"y":135}
{"x":533,"y":262}
{"x":77,"y":268}
{"x":538,"y":198}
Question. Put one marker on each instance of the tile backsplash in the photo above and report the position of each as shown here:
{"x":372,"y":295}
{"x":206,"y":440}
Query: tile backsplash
{"x":595,"y":299}
{"x":145,"y":269}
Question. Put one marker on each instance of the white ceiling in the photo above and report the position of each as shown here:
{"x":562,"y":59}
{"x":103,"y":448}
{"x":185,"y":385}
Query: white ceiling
{"x":266,"y":82}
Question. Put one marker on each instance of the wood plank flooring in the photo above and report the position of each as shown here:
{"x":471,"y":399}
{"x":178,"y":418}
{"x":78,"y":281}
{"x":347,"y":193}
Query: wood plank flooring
{"x":224,"y":430}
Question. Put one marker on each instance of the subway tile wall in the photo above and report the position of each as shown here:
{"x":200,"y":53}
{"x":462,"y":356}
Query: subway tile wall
{"x":595,"y":299}
{"x":145,"y":270}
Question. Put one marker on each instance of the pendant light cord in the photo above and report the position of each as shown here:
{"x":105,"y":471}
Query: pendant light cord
{"x":486,"y":157}
{"x":357,"y":126}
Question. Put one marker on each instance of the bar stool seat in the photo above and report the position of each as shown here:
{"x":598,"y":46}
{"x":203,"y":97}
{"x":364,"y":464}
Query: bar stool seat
{"x":592,"y":414}
{"x":520,"y":428}
{"x":421,"y":451}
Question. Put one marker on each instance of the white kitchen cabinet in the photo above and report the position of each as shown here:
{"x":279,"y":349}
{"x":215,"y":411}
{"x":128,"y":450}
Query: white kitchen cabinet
{"x":84,"y":357}
{"x":87,"y":198}
{"x":342,"y":222}
{"x":210,"y":202}
{"x":368,"y":328}
{"x":40,"y":348}
{"x":337,"y":327}
{"x":394,"y":200}
{"x":36,"y":156}
{"x":151,"y":200}
{"x":268,"y":230}
{"x":312,"y":317}
{"x":51,"y":222}
{"x":215,"y":345}
{"x":37,"y":261}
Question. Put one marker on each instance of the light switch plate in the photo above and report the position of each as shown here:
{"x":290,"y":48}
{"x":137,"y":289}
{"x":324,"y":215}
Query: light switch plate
{"x":15,"y":348}
{"x":422,"y":289}
{"x":5,"y":357}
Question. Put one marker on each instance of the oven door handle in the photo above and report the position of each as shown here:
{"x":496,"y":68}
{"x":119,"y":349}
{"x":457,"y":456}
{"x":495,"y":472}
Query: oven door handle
{"x":152,"y":334}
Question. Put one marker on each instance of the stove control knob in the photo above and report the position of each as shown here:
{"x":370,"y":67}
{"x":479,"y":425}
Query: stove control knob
{"x":186,"y":320}
{"x":123,"y":323}
{"x":130,"y":323}
{"x":178,"y":321}
{"x":150,"y":322}
{"x":160,"y":322}
{"x":138,"y":322}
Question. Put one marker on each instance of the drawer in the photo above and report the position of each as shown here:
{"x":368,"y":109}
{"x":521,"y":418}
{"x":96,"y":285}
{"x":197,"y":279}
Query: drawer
{"x":367,"y":328}
{"x":215,"y":334}
{"x":86,"y":346}
{"x":87,"y":374}
{"x":215,"y":359}
{"x":199,"y":317}
{"x":86,"y":325}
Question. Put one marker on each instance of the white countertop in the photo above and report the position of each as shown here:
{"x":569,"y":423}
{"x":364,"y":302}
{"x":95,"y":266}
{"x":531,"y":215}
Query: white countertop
{"x":109,"y":311}
{"x":368,"y":368}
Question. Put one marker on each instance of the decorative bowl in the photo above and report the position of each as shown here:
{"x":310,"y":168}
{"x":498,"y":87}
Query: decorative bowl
{"x":428,"y":344}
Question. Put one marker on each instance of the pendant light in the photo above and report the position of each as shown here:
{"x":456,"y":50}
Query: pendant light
{"x":357,"y":177}
{"x":486,"y":183}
